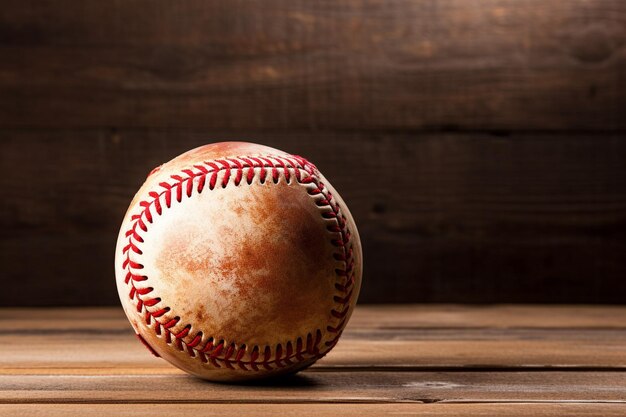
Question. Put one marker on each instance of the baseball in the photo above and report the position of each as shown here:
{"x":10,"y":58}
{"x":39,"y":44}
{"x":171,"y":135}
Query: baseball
{"x":237,"y":261}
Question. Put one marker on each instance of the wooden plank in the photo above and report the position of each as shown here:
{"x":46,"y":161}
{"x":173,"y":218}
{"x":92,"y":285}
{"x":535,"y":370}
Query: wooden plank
{"x":37,"y":341}
{"x":399,"y":317}
{"x":309,"y":410}
{"x":550,"y":318}
{"x":443,"y":217}
{"x":505,"y":64}
{"x":470,"y":351}
{"x":321,"y":387}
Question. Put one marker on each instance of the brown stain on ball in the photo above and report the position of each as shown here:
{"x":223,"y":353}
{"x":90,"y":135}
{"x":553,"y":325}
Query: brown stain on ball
{"x":176,"y":255}
{"x":200,"y":316}
{"x":269,"y":276}
{"x":281,"y":259}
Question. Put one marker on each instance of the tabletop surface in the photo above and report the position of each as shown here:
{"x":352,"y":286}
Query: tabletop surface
{"x":404,"y":360}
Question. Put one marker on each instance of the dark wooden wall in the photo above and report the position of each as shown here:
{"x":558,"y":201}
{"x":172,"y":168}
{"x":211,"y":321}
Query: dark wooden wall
{"x":480,"y":144}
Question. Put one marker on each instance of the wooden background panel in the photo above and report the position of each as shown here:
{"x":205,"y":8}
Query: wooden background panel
{"x":443,"y":217}
{"x":501,"y":64}
{"x":479,"y":144}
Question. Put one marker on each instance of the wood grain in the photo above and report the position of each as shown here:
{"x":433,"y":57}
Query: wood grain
{"x":306,"y":410}
{"x":443,"y":217}
{"x":320,"y":387}
{"x":87,"y":362}
{"x":451,"y":64}
{"x":366,"y":317}
{"x":479,"y":144}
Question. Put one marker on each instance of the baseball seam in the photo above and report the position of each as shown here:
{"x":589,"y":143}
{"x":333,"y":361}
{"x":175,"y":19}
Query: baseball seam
{"x":205,"y":175}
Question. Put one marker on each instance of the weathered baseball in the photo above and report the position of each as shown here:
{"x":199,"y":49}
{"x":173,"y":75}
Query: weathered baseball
{"x":238,"y":261}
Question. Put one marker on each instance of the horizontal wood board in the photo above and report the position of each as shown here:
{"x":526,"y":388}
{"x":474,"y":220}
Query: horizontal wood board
{"x":320,"y":387}
{"x":480,"y":144}
{"x":307,"y":410}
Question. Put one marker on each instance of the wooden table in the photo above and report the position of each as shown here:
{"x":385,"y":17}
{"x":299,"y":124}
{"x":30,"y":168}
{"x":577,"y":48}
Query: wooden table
{"x":406,"y":360}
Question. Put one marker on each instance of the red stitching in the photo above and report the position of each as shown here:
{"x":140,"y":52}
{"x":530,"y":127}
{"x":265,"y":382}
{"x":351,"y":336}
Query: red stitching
{"x":213,"y":352}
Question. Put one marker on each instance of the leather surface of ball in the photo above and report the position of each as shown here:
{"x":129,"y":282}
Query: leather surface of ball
{"x":237,"y":261}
